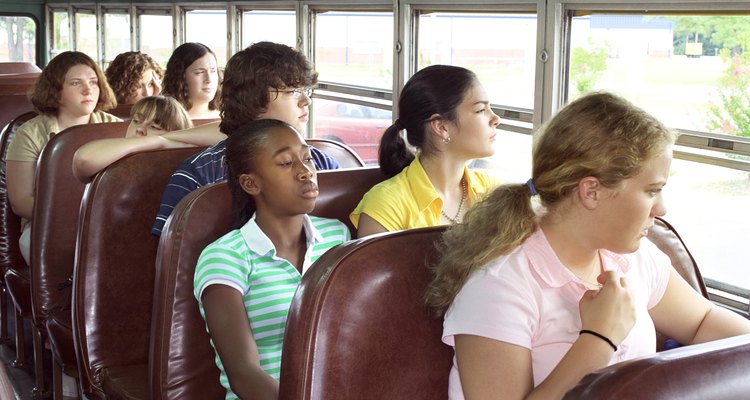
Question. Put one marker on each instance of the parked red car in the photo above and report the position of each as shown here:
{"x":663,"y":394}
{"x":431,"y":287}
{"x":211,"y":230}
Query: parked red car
{"x":357,"y":126}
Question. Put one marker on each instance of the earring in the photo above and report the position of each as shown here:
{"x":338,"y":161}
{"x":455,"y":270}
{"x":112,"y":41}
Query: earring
{"x":447,"y":139}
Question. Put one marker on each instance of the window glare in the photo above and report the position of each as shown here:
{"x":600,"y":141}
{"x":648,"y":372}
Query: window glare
{"x":22,"y":46}
{"x":504,"y":66}
{"x":272,"y":26}
{"x":512,"y":159}
{"x":348,"y":51}
{"x":681,"y":69}
{"x":116,"y":36}
{"x":86,"y":43}
{"x":155,"y":36}
{"x":693,"y":195}
{"x":215,"y":38}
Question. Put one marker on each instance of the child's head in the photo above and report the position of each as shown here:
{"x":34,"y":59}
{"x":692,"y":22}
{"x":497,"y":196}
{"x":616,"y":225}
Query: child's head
{"x":600,"y":135}
{"x":251,"y":80}
{"x":269,"y":164}
{"x":156,"y":115}
{"x":130,"y":76}
{"x":73,"y":82}
{"x":193,"y":76}
{"x":436,"y":94}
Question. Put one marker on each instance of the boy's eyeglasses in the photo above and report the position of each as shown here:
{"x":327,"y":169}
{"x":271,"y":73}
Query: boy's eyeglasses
{"x":297,"y":93}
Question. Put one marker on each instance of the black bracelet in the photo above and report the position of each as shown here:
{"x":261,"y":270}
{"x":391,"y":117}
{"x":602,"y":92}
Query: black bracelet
{"x":600,"y":336}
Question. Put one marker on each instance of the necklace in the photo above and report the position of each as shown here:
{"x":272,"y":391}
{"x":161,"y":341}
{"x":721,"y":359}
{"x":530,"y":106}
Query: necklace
{"x":587,"y":282}
{"x":455,"y":219}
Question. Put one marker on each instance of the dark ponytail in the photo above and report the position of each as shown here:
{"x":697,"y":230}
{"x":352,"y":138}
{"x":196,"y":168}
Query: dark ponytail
{"x":393,"y":154}
{"x":437,"y":89}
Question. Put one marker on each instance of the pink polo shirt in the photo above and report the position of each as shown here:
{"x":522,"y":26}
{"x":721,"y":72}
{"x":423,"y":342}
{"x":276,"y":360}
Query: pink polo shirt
{"x":528,"y":298}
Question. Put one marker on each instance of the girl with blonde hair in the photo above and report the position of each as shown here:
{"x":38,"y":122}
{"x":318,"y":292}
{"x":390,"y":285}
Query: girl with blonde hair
{"x":537,"y":297}
{"x":153,"y":120}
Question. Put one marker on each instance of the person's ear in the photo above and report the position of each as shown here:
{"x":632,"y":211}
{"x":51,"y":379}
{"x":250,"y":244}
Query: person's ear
{"x":590,"y":192}
{"x":249,"y":184}
{"x":439,"y":128}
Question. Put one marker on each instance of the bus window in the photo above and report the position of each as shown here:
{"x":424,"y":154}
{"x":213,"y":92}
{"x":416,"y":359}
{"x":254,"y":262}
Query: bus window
{"x":155,"y":36}
{"x":708,"y":205}
{"x":60,"y":33}
{"x":360,"y":127}
{"x":215,"y":38}
{"x":269,"y":25}
{"x":506,"y":69}
{"x":693,"y":73}
{"x":17,"y":39}
{"x":483,"y":44}
{"x":512,"y":159}
{"x":116,"y":33}
{"x":347,"y":50}
{"x":85,"y":24}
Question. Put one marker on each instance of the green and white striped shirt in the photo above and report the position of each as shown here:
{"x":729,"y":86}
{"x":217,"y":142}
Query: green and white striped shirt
{"x":245,"y":259}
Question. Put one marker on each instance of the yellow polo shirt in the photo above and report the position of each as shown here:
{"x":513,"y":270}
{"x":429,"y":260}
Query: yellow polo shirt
{"x":408,"y":200}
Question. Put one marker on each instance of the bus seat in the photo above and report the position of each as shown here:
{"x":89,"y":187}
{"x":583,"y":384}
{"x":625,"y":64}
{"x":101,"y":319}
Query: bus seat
{"x":11,"y":261}
{"x":121,"y":111}
{"x":344,"y":154}
{"x":358,"y":327}
{"x":666,"y":238}
{"x":185,"y":368}
{"x":18,"y":67}
{"x":18,"y":83}
{"x":714,"y":370}
{"x":115,"y":259}
{"x":341,"y":190}
{"x":203,"y":121}
{"x":53,"y":239}
{"x":14,"y":96}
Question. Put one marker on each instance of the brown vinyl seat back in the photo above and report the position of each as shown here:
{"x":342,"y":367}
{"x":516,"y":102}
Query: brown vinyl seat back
{"x":113,"y":280}
{"x":203,"y":121}
{"x":122,"y":111}
{"x":666,"y":238}
{"x":341,"y":190}
{"x":182,"y":360}
{"x":18,"y":67}
{"x":55,"y":217}
{"x":358,"y":327}
{"x":10,"y":223}
{"x":344,"y":154}
{"x":714,"y":370}
{"x":14,"y":96}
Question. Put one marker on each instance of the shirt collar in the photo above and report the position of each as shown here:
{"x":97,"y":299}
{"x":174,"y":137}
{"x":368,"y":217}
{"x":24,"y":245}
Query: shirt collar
{"x":257,"y":241}
{"x":546,"y":264}
{"x":423,"y":190}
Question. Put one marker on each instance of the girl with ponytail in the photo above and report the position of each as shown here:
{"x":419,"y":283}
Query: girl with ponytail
{"x":536,"y":297}
{"x":446,"y":114}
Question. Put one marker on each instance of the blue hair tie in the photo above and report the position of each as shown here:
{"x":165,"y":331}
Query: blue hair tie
{"x":532,"y":188}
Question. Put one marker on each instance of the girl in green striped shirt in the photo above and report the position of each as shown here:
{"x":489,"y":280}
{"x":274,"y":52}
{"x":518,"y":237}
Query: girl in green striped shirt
{"x":245,"y":280}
